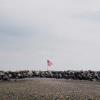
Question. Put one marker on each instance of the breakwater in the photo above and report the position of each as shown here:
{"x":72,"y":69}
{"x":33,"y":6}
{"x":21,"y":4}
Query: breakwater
{"x":75,"y":75}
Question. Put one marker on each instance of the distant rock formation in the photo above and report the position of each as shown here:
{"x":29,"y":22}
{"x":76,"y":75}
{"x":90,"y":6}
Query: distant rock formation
{"x":75,"y":75}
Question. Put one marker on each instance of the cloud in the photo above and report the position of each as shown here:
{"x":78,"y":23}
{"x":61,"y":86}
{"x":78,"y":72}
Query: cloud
{"x":89,"y":16}
{"x":14,"y":36}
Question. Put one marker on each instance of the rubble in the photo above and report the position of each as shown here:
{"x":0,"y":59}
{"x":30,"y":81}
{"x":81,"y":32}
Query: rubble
{"x":75,"y":75}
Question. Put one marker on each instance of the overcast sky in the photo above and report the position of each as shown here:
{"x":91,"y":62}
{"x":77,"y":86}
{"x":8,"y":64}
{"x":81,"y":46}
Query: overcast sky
{"x":64,"y":31}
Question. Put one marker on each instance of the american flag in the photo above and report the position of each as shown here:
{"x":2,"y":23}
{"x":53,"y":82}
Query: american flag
{"x":49,"y":63}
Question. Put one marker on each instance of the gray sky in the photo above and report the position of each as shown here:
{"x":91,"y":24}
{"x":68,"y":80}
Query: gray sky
{"x":65,"y":31}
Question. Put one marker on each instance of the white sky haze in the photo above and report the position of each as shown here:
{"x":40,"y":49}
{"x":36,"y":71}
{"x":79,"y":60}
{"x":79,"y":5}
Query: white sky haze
{"x":65,"y":31}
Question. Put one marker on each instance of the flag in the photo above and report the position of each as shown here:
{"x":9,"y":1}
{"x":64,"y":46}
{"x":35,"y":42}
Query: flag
{"x":49,"y":63}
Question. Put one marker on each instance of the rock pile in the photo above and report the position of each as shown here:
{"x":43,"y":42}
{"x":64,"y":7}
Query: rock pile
{"x":75,"y":75}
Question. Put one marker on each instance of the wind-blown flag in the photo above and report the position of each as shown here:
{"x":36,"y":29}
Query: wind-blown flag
{"x":49,"y":63}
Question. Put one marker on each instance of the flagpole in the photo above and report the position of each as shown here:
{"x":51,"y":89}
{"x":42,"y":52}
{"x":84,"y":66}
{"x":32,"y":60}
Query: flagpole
{"x":47,"y":66}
